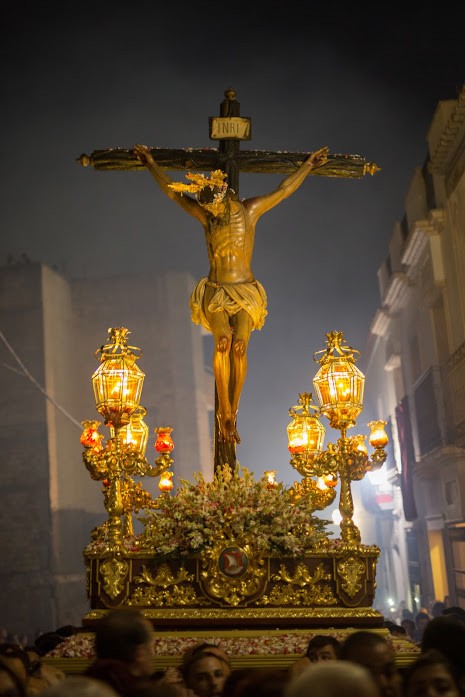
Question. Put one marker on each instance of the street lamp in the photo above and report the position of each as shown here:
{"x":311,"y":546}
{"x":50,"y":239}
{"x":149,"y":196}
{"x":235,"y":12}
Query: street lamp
{"x":339,"y":387}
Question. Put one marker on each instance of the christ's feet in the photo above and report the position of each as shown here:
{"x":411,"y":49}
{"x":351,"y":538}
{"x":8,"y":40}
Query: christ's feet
{"x":228,"y":429}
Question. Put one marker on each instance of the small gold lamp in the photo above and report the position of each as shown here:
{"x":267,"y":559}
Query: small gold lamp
{"x":164,"y":445}
{"x":166,"y":482}
{"x":378,"y":440}
{"x":270,"y":476}
{"x":305,"y":434}
{"x":90,"y":437}
{"x":136,"y":433}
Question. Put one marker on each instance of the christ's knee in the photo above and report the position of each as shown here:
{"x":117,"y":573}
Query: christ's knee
{"x":223,"y":344}
{"x":239,"y":347}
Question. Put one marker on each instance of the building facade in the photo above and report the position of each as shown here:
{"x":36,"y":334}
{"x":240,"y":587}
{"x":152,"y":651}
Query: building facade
{"x":50,"y":329}
{"x":416,"y":370}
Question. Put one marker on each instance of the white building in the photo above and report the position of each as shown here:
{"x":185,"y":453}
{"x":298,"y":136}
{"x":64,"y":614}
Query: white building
{"x":48,"y":501}
{"x":416,"y":370}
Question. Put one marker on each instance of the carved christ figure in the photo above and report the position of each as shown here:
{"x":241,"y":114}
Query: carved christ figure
{"x":230,"y":303}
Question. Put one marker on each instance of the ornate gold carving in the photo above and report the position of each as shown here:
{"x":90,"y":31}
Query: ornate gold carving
{"x":158,"y":594}
{"x":231,"y":575}
{"x":163,"y":576}
{"x":351,"y":570}
{"x":243,"y":578}
{"x":310,"y":589}
{"x":179,"y":595}
{"x":259,"y":613}
{"x":113,"y":572}
{"x":302,"y":575}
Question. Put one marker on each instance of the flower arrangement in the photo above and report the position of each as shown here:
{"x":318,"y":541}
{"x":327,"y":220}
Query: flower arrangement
{"x":234,"y":506}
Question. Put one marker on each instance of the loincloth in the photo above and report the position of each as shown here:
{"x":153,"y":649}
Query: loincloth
{"x":230,"y":298}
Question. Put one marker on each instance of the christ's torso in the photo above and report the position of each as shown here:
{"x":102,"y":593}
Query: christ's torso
{"x":230,"y":246}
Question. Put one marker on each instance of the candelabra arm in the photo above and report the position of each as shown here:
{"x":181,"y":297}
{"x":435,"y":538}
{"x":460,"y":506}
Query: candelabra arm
{"x":114,"y":508}
{"x":349,"y":531}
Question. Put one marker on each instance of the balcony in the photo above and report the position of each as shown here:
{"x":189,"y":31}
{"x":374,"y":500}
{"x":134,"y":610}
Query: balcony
{"x":456,"y":384}
{"x":428,"y":399}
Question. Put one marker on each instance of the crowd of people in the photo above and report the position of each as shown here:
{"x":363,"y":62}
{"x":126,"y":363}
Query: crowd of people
{"x":361,"y":665}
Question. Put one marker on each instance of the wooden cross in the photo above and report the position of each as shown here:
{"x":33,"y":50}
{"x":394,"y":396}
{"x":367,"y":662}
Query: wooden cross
{"x":228,"y":129}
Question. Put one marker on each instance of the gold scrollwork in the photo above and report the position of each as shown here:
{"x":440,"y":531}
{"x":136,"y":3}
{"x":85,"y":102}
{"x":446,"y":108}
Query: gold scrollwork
{"x":302,"y":575}
{"x":154,"y":597}
{"x":351,"y":571}
{"x":286,"y":595}
{"x":153,"y":589}
{"x":113,"y":572}
{"x":300,"y":588}
{"x":163,"y":576}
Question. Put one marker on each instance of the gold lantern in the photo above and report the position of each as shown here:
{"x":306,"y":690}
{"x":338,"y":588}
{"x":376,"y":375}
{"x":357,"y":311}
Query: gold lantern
{"x":339,"y":383}
{"x":305,"y":434}
{"x":136,"y":433}
{"x":118,"y":381}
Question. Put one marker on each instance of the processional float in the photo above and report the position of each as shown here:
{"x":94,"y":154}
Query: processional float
{"x":233,"y":551}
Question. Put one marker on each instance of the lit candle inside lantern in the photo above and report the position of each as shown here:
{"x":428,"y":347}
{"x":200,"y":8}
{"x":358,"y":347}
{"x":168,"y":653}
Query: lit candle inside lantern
{"x":343,"y":388}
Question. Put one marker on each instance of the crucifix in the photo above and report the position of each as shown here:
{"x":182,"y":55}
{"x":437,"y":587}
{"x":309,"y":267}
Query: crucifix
{"x":230,"y":302}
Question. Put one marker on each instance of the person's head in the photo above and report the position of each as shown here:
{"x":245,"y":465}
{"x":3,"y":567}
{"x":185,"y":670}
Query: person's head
{"x":41,"y":675}
{"x":125,"y":635}
{"x":156,"y":688}
{"x":394,"y":628}
{"x":323,"y":648}
{"x":407,"y":615}
{"x":205,"y":669}
{"x":447,"y":635}
{"x":375,"y":653}
{"x":211,"y":192}
{"x":333,"y":679}
{"x":47,"y":641}
{"x":409,"y":626}
{"x":262,"y":682}
{"x":17,"y":659}
{"x":437,"y":608}
{"x":421,"y":620}
{"x":10,"y":684}
{"x":79,"y":686}
{"x":456,"y":611}
{"x":431,"y":675}
{"x":233,"y":681}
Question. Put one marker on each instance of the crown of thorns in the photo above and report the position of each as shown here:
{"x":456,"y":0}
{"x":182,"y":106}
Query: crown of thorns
{"x":216,"y":180}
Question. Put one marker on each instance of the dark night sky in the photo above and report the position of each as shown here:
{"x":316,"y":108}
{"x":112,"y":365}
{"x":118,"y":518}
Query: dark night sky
{"x":81,"y":76}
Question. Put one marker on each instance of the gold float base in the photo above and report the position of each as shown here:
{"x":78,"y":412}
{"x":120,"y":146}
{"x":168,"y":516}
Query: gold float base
{"x":231,"y":586}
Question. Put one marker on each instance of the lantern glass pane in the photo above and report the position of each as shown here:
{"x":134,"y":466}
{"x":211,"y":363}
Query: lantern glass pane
{"x":117,"y":387}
